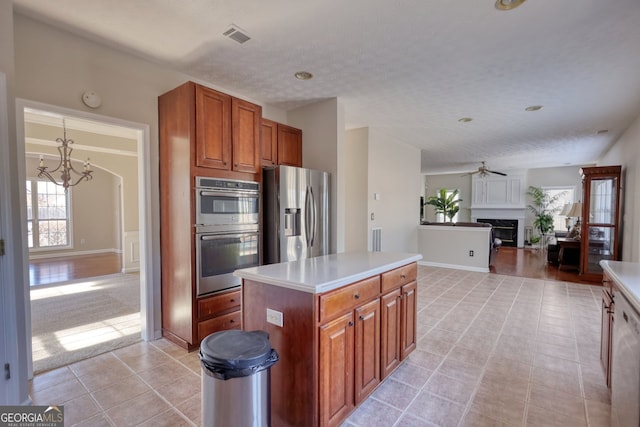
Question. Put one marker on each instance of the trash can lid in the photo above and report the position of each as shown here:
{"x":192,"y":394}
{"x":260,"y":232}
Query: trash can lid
{"x":236,"y":349}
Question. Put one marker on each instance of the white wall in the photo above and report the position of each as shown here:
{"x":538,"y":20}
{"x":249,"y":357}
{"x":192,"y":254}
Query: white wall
{"x":626,"y":152}
{"x":322,"y":125}
{"x":449,"y":246}
{"x":357,"y":219}
{"x":394,"y":173}
{"x":433,"y":183}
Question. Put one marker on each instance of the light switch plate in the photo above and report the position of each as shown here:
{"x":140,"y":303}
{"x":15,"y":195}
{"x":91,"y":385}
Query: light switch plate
{"x":275,"y":317}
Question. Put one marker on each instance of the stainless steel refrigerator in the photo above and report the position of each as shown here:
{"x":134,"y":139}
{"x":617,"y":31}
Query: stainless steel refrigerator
{"x":296,"y":213}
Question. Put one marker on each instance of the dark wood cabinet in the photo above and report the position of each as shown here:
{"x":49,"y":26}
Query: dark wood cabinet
{"x":408,"y":323}
{"x":367,"y":349}
{"x":600,"y":222}
{"x":281,"y":144}
{"x":202,"y":132}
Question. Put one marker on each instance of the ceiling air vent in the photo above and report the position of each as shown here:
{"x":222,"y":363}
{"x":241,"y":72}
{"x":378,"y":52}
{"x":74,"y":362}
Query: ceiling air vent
{"x":237,"y":34}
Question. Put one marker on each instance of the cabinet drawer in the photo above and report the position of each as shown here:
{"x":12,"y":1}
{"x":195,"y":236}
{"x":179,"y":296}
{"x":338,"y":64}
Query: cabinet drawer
{"x":342,"y":300}
{"x":398,"y":277}
{"x":220,"y":323}
{"x":217,"y":304}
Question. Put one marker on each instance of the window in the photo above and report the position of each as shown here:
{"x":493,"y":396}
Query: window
{"x":440,"y":216}
{"x":48,"y":219}
{"x":559,"y":196}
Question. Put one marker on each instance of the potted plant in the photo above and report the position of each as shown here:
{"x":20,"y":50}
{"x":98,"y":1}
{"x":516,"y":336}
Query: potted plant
{"x":447,"y":205}
{"x":542,"y":207}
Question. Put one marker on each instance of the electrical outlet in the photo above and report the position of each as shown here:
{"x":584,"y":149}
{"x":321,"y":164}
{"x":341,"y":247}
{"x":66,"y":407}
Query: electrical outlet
{"x":275,"y":317}
{"x":470,"y":253}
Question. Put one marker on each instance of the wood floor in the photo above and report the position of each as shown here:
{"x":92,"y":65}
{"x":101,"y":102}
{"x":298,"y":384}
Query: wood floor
{"x":63,"y":269}
{"x":532,"y":263}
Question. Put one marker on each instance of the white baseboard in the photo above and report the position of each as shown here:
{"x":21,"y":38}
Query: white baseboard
{"x":131,"y":270}
{"x":74,"y":253}
{"x":454,"y":266}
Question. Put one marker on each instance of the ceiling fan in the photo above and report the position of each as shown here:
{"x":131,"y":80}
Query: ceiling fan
{"x":484,"y":170}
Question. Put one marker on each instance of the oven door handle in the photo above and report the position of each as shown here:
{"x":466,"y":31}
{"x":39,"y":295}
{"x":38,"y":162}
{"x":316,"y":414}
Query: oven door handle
{"x":208,"y":193}
{"x":227,"y":235}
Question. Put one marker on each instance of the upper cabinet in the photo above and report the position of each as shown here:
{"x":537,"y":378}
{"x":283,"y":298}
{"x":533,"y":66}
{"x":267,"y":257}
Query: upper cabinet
{"x":227,"y":132}
{"x":281,"y":144}
{"x":498,"y":192}
{"x":600,"y":227}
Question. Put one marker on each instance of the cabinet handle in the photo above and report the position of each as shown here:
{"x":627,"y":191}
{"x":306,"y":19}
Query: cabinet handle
{"x":232,"y":321}
{"x":350,"y":323}
{"x":232,"y":300}
{"x":403,"y":276}
{"x":357,"y":296}
{"x":361,"y":317}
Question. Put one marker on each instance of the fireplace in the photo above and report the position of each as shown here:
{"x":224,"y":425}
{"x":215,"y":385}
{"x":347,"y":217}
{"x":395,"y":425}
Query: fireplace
{"x":504,"y":229}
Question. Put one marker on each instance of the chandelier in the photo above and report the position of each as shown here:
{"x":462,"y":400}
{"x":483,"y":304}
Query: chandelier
{"x":65,"y":167}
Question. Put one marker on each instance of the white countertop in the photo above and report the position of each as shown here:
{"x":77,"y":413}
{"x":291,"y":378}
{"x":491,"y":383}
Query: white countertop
{"x":325,"y":273}
{"x":627,"y":275}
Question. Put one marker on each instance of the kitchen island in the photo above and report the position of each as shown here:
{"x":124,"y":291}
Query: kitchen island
{"x":341,"y":324}
{"x":620,"y":339}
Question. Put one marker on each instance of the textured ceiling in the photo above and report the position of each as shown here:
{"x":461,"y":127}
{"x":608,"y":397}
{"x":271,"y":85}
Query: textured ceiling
{"x":409,"y":69}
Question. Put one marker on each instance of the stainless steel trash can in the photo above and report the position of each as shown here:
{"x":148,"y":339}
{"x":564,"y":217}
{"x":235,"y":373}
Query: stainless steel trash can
{"x":236,"y":379}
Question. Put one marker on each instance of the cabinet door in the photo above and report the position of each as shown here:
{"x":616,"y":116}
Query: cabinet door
{"x":213,"y":129}
{"x":605,"y":335}
{"x":269,"y":143}
{"x":367,"y":349}
{"x":390,"y":332}
{"x":246,"y":118}
{"x":336,"y":370}
{"x":408,"y":319}
{"x":289,"y":146}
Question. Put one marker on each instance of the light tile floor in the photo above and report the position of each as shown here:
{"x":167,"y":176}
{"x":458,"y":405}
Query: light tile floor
{"x":492,"y":351}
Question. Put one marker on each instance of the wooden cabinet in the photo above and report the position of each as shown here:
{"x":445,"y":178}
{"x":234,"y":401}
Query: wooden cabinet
{"x":600,"y":222}
{"x":331,"y":344}
{"x":606,"y":336}
{"x":281,"y":144}
{"x":202,"y":132}
{"x":227,"y":131}
{"x":398,"y":318}
{"x":336,"y":370}
{"x":349,"y":348}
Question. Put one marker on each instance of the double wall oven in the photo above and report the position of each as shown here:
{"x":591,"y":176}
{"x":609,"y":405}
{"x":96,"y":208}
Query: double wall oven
{"x":227,"y":235}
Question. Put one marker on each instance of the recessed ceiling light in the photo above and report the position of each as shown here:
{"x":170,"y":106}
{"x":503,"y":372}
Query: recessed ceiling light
{"x":465,"y":119}
{"x":303,"y":75}
{"x":533,"y":108}
{"x":601,"y":131}
{"x":508,"y":4}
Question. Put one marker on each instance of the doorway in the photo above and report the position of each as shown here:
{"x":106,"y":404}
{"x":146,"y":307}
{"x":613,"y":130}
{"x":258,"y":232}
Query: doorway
{"x":137,"y":155}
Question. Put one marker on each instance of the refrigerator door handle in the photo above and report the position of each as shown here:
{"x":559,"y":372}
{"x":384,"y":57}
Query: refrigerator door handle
{"x":309,"y":217}
{"x":313,"y":217}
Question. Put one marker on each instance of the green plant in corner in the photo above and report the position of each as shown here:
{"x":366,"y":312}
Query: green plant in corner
{"x":542,"y":207}
{"x":447,"y":205}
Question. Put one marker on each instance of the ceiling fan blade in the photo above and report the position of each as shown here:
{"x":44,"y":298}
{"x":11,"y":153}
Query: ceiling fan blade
{"x":498,"y":173}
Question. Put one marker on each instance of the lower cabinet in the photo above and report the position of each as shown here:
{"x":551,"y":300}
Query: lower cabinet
{"x":218,"y":313}
{"x":606,"y":337}
{"x":349,"y":361}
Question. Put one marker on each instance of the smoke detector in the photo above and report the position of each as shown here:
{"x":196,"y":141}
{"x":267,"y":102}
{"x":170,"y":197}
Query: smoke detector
{"x":236,"y":34}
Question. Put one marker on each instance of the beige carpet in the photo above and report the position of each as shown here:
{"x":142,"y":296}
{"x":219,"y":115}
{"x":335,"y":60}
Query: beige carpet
{"x":74,"y":321}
